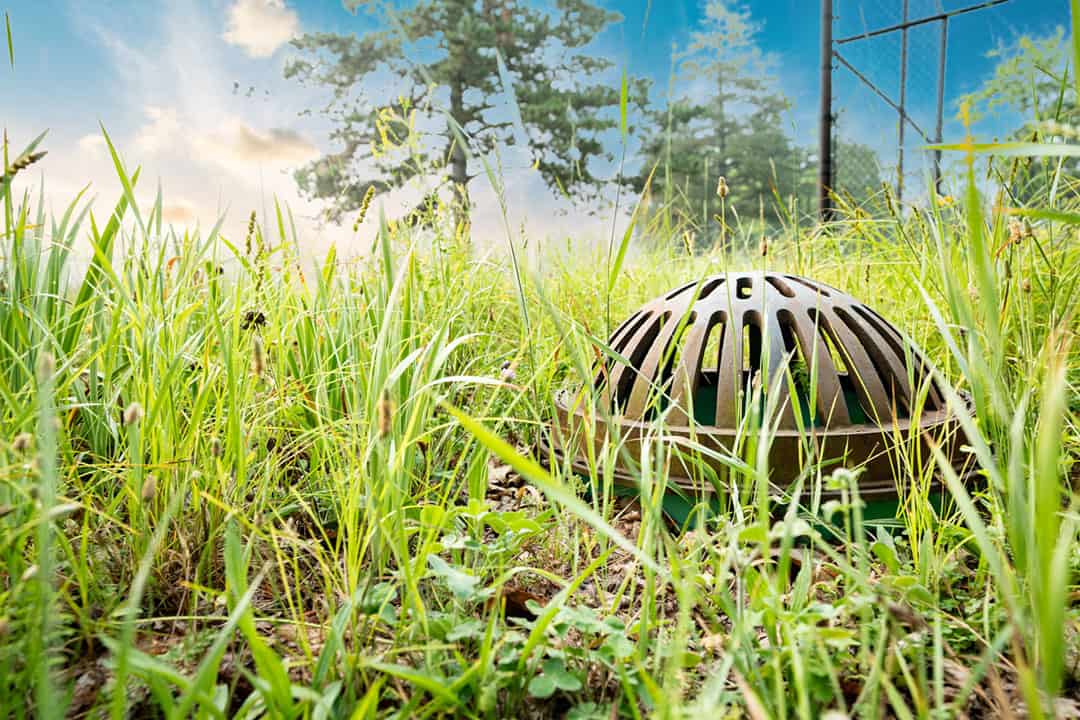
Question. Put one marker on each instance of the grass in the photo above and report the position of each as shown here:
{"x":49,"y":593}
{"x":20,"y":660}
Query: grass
{"x":233,"y":485}
{"x":311,"y":494}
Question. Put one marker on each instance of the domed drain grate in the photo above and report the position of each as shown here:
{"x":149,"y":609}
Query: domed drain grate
{"x":845,"y":376}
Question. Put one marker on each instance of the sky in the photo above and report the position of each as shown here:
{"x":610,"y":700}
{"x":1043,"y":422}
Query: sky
{"x":193,"y":92}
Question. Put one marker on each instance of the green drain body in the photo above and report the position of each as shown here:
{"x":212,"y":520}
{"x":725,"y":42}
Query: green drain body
{"x":705,"y":399}
{"x":679,"y":508}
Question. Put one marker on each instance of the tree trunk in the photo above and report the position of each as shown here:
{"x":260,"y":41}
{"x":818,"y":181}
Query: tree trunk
{"x":459,"y":172}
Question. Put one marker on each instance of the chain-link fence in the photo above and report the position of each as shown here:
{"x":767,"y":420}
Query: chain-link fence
{"x":890,"y":91}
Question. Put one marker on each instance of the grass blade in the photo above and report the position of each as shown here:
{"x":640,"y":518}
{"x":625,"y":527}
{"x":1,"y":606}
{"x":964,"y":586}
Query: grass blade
{"x":531,"y":470}
{"x":1074,"y":6}
{"x":10,"y":43}
{"x":624,"y":96}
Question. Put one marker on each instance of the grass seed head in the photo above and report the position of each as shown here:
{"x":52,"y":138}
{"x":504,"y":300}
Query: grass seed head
{"x":22,"y":442}
{"x":384,"y":411}
{"x":133,"y":413}
{"x":461,"y":231}
{"x":688,"y":242}
{"x":149,"y":488}
{"x":1016,"y":231}
{"x":46,"y":366}
{"x":250,"y":232}
{"x":887,"y":194}
{"x":258,"y":357}
{"x":364,"y":205}
{"x":722,"y":188}
{"x":21,"y":163}
{"x":27,"y":160}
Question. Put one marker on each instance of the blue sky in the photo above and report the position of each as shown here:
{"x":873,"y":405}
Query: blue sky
{"x":160,"y":76}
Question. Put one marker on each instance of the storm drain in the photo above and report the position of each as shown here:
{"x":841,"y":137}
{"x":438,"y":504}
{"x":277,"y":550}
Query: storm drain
{"x":846,"y":388}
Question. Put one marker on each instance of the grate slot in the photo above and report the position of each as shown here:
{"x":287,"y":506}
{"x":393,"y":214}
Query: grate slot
{"x":821,"y":323}
{"x":887,"y":370}
{"x":859,"y":408}
{"x":706,"y":386}
{"x":806,"y":283}
{"x":911,"y":358}
{"x":617,"y":343}
{"x":679,"y":291}
{"x":781,"y":287}
{"x":686,"y":374}
{"x":798,"y":368}
{"x":651,"y":390}
{"x":626,"y":375}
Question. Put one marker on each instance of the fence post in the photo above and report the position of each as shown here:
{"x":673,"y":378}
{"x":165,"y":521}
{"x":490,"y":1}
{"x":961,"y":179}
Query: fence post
{"x":940,"y":101}
{"x":825,"y":165}
{"x":903,"y":107}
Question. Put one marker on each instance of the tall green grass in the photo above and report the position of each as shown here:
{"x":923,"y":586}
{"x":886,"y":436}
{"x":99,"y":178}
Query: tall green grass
{"x":236,"y":483}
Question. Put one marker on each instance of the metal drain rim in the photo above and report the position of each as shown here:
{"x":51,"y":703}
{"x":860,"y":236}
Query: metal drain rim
{"x":871,"y":492}
{"x":944,"y":426}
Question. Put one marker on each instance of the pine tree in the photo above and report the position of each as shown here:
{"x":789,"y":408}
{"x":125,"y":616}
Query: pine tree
{"x":731,"y":124}
{"x":728,"y":125}
{"x":725,"y":56}
{"x":405,"y":96}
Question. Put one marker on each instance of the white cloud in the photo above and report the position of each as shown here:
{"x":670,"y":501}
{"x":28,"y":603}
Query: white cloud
{"x":232,"y":143}
{"x":242,"y":145}
{"x":160,"y":133}
{"x":92,"y":144}
{"x":260,"y":26}
{"x":173,"y":113}
{"x":217,"y":154}
{"x":180,"y":212}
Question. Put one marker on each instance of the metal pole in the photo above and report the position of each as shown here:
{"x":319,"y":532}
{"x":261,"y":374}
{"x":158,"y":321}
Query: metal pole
{"x":900,"y":120}
{"x":825,"y":166}
{"x":940,"y":101}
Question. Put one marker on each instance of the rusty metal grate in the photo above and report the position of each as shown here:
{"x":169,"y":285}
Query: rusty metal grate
{"x":843,"y":377}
